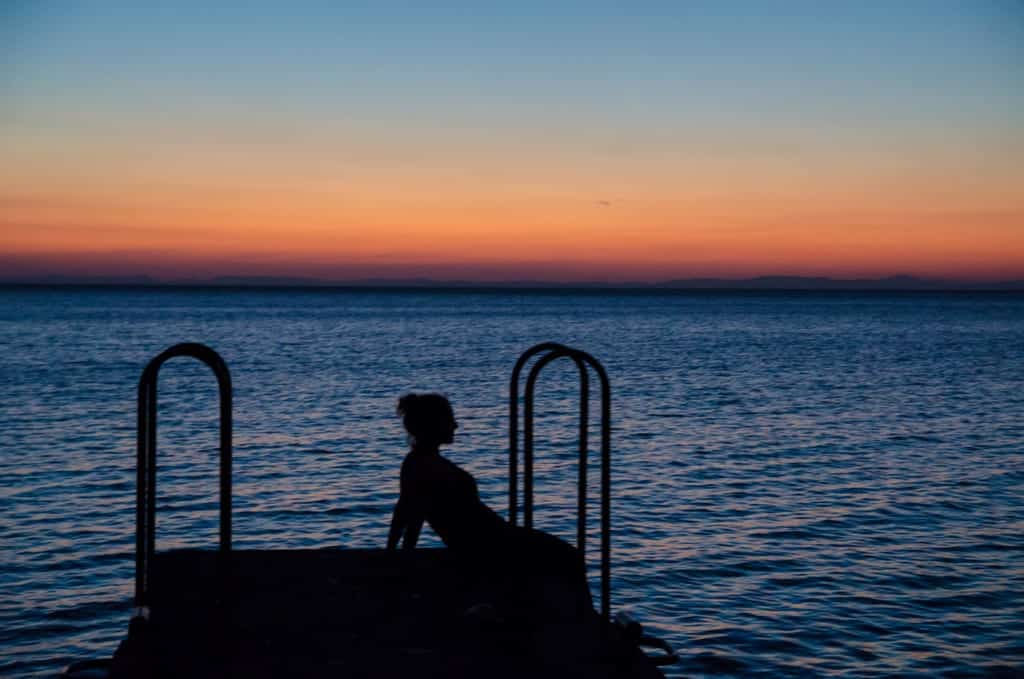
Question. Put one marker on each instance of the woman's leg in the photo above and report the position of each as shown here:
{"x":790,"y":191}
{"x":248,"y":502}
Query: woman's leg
{"x":552,"y":570}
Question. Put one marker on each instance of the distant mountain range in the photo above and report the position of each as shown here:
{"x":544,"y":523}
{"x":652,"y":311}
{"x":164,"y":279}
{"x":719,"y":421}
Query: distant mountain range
{"x":821,"y":283}
{"x":901,"y":282}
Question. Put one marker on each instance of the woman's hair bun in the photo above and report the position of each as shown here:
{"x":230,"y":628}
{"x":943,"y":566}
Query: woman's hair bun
{"x":407,"y":402}
{"x":424,"y":414}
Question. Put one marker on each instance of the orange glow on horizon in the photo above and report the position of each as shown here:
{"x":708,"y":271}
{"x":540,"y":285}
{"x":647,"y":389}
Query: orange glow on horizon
{"x":203,"y":211}
{"x":589,"y":143}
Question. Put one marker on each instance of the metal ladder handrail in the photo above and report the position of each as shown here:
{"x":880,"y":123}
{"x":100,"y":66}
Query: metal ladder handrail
{"x":513,"y":425}
{"x":145,"y":502}
{"x":531,"y":383}
{"x":583,"y":361}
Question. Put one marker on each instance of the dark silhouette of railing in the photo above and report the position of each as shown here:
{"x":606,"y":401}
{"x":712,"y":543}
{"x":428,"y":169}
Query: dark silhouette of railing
{"x":548,"y":352}
{"x":145,"y":503}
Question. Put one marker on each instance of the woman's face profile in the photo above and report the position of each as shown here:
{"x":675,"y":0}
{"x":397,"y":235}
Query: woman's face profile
{"x":448,"y":428}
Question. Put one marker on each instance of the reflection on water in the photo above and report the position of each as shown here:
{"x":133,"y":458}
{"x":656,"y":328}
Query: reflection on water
{"x":804,"y":484}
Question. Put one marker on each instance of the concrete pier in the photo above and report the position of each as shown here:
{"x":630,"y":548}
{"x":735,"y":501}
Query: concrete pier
{"x":357,"y":613}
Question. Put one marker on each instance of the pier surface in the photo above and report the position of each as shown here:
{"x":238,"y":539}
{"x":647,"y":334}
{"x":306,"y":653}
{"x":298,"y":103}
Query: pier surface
{"x":356,"y":613}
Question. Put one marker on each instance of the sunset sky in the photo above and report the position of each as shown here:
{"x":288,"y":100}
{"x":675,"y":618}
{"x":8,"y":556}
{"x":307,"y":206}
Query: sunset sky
{"x":596,"y":141}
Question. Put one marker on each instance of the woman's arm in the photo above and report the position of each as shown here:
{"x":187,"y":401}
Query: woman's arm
{"x":410,"y":510}
{"x":405,"y":519}
{"x":412,"y":532}
{"x":397,"y":524}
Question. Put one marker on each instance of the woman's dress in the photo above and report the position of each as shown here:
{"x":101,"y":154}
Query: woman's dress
{"x":532,"y":565}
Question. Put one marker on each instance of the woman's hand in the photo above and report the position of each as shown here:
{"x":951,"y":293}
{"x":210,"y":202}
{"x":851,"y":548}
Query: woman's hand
{"x":397,"y":525}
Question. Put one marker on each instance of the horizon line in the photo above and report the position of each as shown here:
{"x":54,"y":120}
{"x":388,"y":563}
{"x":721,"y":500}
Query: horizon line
{"x":892,"y":283}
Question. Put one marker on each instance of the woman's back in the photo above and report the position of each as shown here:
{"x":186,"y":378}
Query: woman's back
{"x":446,"y":495}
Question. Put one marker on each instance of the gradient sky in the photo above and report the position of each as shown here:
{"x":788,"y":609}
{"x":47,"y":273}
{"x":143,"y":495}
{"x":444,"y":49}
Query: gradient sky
{"x":596,"y":141}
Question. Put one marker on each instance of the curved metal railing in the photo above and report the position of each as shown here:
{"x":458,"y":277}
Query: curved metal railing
{"x":145,"y":502}
{"x":550,"y":351}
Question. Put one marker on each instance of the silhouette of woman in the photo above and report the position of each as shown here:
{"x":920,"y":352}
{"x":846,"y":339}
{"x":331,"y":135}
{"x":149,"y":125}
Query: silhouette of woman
{"x":436,"y":490}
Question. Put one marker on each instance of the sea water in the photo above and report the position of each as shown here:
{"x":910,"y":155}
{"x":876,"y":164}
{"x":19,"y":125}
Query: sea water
{"x":803,"y":484}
